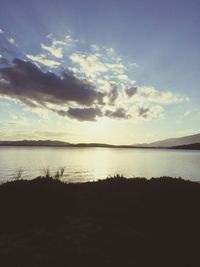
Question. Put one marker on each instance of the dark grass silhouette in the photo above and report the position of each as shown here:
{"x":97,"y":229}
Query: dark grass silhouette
{"x":114,"y":222}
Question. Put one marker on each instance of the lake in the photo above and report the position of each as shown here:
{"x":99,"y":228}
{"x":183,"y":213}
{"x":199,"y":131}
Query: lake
{"x":87,"y":164}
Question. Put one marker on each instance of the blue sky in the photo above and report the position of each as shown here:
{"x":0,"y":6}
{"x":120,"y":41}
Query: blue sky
{"x":134,"y":65}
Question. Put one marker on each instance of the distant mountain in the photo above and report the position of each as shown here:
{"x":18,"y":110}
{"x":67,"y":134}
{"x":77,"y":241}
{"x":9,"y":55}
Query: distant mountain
{"x":186,"y":142}
{"x":34,"y":143}
{"x":58,"y":143}
{"x":180,"y":141}
{"x":190,"y":146}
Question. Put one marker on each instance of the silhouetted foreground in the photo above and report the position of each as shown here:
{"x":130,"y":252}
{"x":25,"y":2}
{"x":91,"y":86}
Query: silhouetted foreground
{"x":115,"y":222}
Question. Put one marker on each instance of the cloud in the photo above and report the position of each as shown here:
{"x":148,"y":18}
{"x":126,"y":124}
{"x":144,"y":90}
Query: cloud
{"x":192,"y":112}
{"x":26,"y":82}
{"x":56,"y":52}
{"x":94,"y":65}
{"x":86,"y":114}
{"x":152,"y":95}
{"x":147,"y":113}
{"x":43,"y":60}
{"x":81,"y":114}
{"x":90,"y":65}
{"x":113,"y":94}
{"x":119,"y":113}
{"x":143,"y":112}
{"x":91,"y":114}
{"x":103,"y":67}
{"x":3,"y":60}
{"x":11,"y":40}
{"x":148,"y":95}
{"x":57,"y":47}
{"x":131,"y":91}
{"x":123,"y":77}
{"x":99,"y":83}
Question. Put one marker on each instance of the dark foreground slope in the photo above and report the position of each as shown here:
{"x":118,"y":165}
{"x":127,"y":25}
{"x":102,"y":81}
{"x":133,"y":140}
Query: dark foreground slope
{"x":115,"y":222}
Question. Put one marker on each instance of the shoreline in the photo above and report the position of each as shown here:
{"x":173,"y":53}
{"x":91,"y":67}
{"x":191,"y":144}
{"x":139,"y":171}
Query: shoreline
{"x":185,"y":147}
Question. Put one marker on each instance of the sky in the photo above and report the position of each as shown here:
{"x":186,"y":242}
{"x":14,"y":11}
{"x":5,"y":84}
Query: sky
{"x":109,"y":71}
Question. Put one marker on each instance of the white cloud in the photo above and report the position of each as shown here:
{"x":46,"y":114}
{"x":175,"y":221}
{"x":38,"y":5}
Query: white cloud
{"x":194,"y":111}
{"x":105,"y":69}
{"x":110,"y":51}
{"x":145,"y":112}
{"x":56,"y":52}
{"x":98,"y":66}
{"x":43,"y":60}
{"x":123,"y":77}
{"x":152,"y":95}
{"x":58,"y":47}
{"x":11,"y":40}
{"x":90,"y":65}
{"x":117,"y":68}
{"x":95,"y":47}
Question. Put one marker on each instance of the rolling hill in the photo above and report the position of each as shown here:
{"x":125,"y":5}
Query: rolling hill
{"x":174,"y":142}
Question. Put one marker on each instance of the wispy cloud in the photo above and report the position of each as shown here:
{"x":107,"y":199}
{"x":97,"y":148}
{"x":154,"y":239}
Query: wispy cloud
{"x":81,"y":114}
{"x":44,"y":60}
{"x":119,"y":113}
{"x":11,"y":40}
{"x":57,"y":48}
{"x":152,"y":95}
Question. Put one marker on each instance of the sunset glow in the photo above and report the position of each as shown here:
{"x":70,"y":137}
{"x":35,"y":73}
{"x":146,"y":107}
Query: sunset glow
{"x":91,"y":75}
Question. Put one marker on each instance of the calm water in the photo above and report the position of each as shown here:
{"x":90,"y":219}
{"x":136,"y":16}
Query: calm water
{"x":84,"y":164}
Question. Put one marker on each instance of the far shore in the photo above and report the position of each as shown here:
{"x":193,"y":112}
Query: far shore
{"x":48,"y":143}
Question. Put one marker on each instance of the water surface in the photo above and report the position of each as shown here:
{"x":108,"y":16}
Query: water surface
{"x":87,"y":164}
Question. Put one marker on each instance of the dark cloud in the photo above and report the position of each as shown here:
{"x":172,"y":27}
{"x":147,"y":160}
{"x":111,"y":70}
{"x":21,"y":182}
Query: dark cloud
{"x":143,"y":112}
{"x":81,"y":114}
{"x":119,"y":113}
{"x":113,"y":94}
{"x":26,"y":82}
{"x":3,"y":60}
{"x":131,"y":91}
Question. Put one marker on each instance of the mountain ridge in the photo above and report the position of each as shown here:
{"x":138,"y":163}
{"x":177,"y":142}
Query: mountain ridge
{"x":185,"y":142}
{"x":173,"y":142}
{"x":178,"y":141}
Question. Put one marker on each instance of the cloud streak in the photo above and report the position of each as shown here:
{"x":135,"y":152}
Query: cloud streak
{"x":57,"y":48}
{"x":119,"y":113}
{"x":44,"y":60}
{"x":81,"y":114}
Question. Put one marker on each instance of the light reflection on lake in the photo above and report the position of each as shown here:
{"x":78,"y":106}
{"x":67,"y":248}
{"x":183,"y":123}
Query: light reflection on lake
{"x":86,"y":164}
